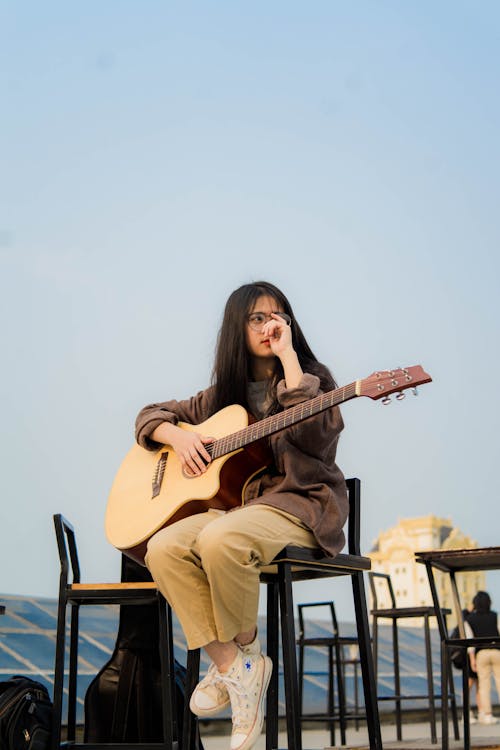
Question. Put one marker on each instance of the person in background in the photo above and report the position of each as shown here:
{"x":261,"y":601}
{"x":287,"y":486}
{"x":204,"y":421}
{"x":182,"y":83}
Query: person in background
{"x":484,"y":661}
{"x":473,"y":681}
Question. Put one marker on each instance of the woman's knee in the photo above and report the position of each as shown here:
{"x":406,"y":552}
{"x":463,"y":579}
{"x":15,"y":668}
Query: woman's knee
{"x":162,"y":546}
{"x":218,"y":545}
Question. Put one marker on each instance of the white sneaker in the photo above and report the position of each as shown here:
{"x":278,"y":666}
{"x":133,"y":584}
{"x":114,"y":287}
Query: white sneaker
{"x":472,"y":718}
{"x":487,"y":719}
{"x":210,"y":696}
{"x":246,"y":683}
{"x":251,"y":649}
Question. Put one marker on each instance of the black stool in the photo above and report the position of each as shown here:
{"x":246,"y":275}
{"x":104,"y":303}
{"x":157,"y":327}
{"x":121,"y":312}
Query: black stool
{"x":77,"y":594}
{"x":395,"y":613}
{"x":300,"y":564}
{"x":335,"y":644}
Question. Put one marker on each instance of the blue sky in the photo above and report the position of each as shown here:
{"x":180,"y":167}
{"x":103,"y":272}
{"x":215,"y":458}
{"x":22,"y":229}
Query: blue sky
{"x":154,"y":156}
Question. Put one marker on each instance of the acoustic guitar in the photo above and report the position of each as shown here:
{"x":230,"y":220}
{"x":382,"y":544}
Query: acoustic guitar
{"x":151,"y":491}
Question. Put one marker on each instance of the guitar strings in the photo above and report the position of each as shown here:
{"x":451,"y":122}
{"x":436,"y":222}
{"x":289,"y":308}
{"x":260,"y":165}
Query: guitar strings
{"x":277,"y":422}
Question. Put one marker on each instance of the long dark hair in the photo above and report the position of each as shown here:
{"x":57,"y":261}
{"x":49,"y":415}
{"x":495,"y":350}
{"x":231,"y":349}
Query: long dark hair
{"x":231,"y":370}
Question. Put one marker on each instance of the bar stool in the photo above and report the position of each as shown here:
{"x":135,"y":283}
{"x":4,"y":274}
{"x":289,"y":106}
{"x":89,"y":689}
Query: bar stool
{"x":300,"y":564}
{"x":394,"y":614}
{"x":77,"y":594}
{"x":335,"y":644}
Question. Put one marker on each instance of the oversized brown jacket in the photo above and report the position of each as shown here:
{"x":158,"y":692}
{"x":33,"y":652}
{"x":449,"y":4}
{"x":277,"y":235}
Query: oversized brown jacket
{"x":304,"y":480}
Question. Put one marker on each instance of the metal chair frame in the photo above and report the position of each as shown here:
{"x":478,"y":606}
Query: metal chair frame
{"x":337,"y":663}
{"x":447,"y":646}
{"x":395,"y":613}
{"x":300,"y":564}
{"x":75,"y":594}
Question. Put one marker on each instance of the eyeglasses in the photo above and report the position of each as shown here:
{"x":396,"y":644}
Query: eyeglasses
{"x":257,"y":319}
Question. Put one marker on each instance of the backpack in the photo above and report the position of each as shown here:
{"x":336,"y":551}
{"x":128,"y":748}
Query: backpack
{"x":25,"y":714}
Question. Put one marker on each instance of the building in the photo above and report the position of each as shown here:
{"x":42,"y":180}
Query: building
{"x":394,"y":553}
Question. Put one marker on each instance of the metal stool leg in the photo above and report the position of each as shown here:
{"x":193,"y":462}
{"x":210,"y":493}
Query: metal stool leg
{"x":375,"y":647}
{"x":73,"y":667}
{"x":189,"y":731}
{"x":453,"y":704}
{"x":466,"y":704}
{"x":430,"y":680}
{"x":273,"y":653}
{"x":331,"y":694}
{"x":59,"y":675}
{"x":289,"y":658}
{"x":365,"y":652}
{"x":444,"y":699}
{"x":166,"y":646}
{"x":340,"y":693}
{"x":397,"y":678}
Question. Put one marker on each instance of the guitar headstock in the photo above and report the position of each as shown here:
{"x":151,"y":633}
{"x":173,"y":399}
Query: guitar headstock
{"x":382,"y":384}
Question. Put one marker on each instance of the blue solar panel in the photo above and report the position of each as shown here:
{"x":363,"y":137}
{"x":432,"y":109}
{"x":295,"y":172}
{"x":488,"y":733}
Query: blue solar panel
{"x":8,"y":663}
{"x":27,"y":644}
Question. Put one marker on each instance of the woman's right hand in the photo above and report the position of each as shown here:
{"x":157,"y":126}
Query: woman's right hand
{"x":189,"y":447}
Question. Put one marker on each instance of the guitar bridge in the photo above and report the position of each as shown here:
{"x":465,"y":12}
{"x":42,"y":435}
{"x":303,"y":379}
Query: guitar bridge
{"x":159,"y":474}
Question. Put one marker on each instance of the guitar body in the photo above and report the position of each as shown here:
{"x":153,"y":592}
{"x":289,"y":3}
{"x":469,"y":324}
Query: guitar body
{"x":141,"y":503}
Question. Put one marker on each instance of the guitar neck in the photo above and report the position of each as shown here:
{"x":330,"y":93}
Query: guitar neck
{"x":286,"y":418}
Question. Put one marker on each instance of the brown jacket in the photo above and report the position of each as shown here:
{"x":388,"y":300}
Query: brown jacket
{"x":304,"y":481}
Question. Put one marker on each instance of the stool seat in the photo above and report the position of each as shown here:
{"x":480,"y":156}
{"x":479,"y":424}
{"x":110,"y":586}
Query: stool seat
{"x":111,"y":587}
{"x":407,"y":612}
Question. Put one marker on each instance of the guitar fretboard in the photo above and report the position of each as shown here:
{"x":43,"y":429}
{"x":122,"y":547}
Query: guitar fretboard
{"x":276,"y":422}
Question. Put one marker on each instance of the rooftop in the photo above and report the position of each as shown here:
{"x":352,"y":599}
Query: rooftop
{"x":27,"y":643}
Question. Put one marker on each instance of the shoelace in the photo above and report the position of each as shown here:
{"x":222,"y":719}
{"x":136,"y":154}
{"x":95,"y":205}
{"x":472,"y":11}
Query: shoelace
{"x":214,"y":677}
{"x":240,"y":716}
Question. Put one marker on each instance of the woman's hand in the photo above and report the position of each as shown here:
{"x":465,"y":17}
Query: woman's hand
{"x":280,"y":340}
{"x":279,"y":333}
{"x":189,"y":447}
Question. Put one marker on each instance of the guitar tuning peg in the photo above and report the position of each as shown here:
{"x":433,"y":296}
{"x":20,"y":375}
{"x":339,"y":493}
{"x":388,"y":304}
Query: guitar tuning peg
{"x":386,"y":400}
{"x":400,"y":396}
{"x":414,"y":391}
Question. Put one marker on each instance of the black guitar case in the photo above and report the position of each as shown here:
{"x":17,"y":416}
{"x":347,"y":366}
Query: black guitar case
{"x":123,"y":701}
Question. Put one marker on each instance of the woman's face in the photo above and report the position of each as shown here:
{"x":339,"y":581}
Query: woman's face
{"x":257,"y":344}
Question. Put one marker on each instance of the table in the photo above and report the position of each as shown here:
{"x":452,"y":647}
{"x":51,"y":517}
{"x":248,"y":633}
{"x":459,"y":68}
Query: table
{"x":454,"y":561}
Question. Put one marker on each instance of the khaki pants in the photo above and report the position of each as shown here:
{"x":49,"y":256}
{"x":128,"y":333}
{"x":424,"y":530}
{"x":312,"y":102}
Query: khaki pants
{"x":207,"y":567}
{"x":488,"y":662}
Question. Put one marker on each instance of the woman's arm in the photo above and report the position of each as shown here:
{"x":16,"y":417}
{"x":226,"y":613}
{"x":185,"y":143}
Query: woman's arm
{"x":280,"y":340}
{"x":316,"y":436}
{"x":156,"y":425}
{"x":189,"y":446}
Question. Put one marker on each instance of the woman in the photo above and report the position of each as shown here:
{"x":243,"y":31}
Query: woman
{"x":207,"y":565}
{"x":484,"y":661}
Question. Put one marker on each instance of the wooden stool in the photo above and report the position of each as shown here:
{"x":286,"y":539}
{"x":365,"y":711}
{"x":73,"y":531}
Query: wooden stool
{"x":77,"y":594}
